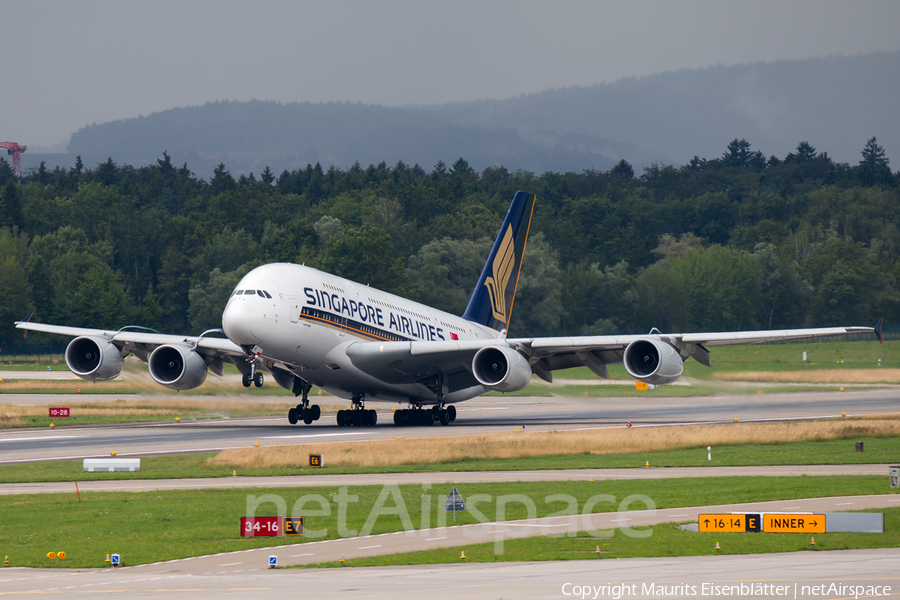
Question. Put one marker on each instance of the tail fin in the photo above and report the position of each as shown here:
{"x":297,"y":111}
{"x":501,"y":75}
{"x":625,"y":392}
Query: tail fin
{"x":492,"y":300}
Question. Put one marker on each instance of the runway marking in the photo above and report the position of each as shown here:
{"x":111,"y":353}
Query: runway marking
{"x":299,"y":555}
{"x":437,"y":538}
{"x":287,"y":437}
{"x":843,"y":503}
{"x":46,"y":437}
{"x":368,"y":547}
{"x":231,"y":564}
{"x":679,"y":515}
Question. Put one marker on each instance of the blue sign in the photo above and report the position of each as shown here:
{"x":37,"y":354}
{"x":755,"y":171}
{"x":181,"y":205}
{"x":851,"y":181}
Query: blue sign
{"x":273,"y":561}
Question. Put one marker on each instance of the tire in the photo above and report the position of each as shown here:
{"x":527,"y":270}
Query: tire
{"x":307,"y":418}
{"x":340,"y":418}
{"x":398,"y":418}
{"x":451,"y":412}
{"x":445,"y":417}
{"x":258,"y":380}
{"x":315,"y":411}
{"x":292,"y":416}
{"x":245,"y":379}
{"x":372,"y":418}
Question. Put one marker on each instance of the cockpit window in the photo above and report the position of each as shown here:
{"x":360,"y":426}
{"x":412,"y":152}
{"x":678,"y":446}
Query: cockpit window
{"x":238,"y":292}
{"x":266,"y":293}
{"x":249,"y":292}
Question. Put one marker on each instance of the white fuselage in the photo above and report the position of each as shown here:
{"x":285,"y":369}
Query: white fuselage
{"x":301,"y":320}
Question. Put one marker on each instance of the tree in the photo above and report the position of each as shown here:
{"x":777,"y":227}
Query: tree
{"x":15,"y":291}
{"x":623,"y":170}
{"x":208,"y":299}
{"x":805,"y":153}
{"x":365,"y":254}
{"x":444,"y":272}
{"x":873,"y":168}
{"x":739,"y":156}
{"x":10,"y":205}
{"x":222,"y":180}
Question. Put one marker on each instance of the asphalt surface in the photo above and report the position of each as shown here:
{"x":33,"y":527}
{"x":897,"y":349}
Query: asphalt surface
{"x":481,"y":415}
{"x":246,"y":573}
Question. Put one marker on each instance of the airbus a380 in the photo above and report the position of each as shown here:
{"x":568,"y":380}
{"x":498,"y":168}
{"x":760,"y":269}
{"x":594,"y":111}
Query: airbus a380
{"x":309,"y":328}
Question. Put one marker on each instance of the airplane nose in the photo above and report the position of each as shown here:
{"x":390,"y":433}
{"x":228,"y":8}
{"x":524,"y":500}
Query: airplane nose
{"x":237,"y":322}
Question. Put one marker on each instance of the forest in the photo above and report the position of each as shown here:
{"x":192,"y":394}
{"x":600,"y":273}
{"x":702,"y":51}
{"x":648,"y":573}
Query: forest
{"x":740,"y":241}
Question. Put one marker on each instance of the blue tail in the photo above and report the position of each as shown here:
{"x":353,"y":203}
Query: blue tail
{"x":492,"y":300}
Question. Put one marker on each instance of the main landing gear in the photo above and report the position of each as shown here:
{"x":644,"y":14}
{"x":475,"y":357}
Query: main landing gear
{"x":421,"y":416}
{"x":303,"y":411}
{"x":358,"y":416}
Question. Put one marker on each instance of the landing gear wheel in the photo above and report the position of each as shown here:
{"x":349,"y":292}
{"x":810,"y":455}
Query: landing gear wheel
{"x":451,"y":412}
{"x":340,"y":418}
{"x":315,"y":411}
{"x":398,"y":418}
{"x":258,"y":380}
{"x":307,"y":417}
{"x":245,"y":379}
{"x":445,"y":418}
{"x":292,"y":416}
{"x":371,"y":418}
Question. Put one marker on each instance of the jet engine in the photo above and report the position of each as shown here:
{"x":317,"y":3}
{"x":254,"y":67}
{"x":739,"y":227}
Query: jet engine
{"x":177,"y":367}
{"x":94,"y":358}
{"x":653,"y":361}
{"x":501,"y":368}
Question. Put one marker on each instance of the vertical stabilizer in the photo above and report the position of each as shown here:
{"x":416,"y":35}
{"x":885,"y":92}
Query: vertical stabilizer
{"x":492,"y":300}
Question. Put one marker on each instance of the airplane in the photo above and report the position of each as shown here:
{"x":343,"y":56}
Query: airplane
{"x":310,"y":328}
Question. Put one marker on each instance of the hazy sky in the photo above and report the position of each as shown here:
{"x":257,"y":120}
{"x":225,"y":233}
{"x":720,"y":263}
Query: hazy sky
{"x":66,"y":64}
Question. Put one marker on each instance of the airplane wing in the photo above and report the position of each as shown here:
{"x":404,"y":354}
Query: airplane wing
{"x":657,"y":357}
{"x":100,"y":347}
{"x":137,"y":339}
{"x":594,"y":352}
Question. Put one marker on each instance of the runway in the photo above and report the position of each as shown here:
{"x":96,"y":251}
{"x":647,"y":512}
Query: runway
{"x":481,"y":415}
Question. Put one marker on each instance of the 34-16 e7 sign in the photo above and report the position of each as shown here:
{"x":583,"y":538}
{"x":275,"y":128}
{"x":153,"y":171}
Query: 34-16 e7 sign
{"x":271,"y":526}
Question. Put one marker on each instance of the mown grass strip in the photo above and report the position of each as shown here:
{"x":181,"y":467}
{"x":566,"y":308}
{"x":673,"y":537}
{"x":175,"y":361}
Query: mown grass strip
{"x":156,"y":526}
{"x":667,"y":539}
{"x":842,"y":451}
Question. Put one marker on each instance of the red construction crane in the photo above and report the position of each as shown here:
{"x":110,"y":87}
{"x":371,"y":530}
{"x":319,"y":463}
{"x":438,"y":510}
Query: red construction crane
{"x":15,"y":150}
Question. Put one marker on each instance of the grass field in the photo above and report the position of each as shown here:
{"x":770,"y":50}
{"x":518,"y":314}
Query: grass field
{"x":154,"y":526}
{"x":523,"y":445}
{"x":836,"y":451}
{"x":667,"y":539}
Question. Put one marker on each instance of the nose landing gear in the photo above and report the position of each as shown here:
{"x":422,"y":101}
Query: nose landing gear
{"x":252,"y":376}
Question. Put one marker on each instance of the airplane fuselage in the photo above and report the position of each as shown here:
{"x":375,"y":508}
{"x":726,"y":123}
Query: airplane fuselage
{"x":301,"y":320}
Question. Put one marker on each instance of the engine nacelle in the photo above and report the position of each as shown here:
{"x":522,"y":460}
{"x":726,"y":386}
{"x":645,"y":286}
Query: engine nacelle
{"x":177,"y":367}
{"x":94,"y":358}
{"x":501,"y":368}
{"x":653,"y":361}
